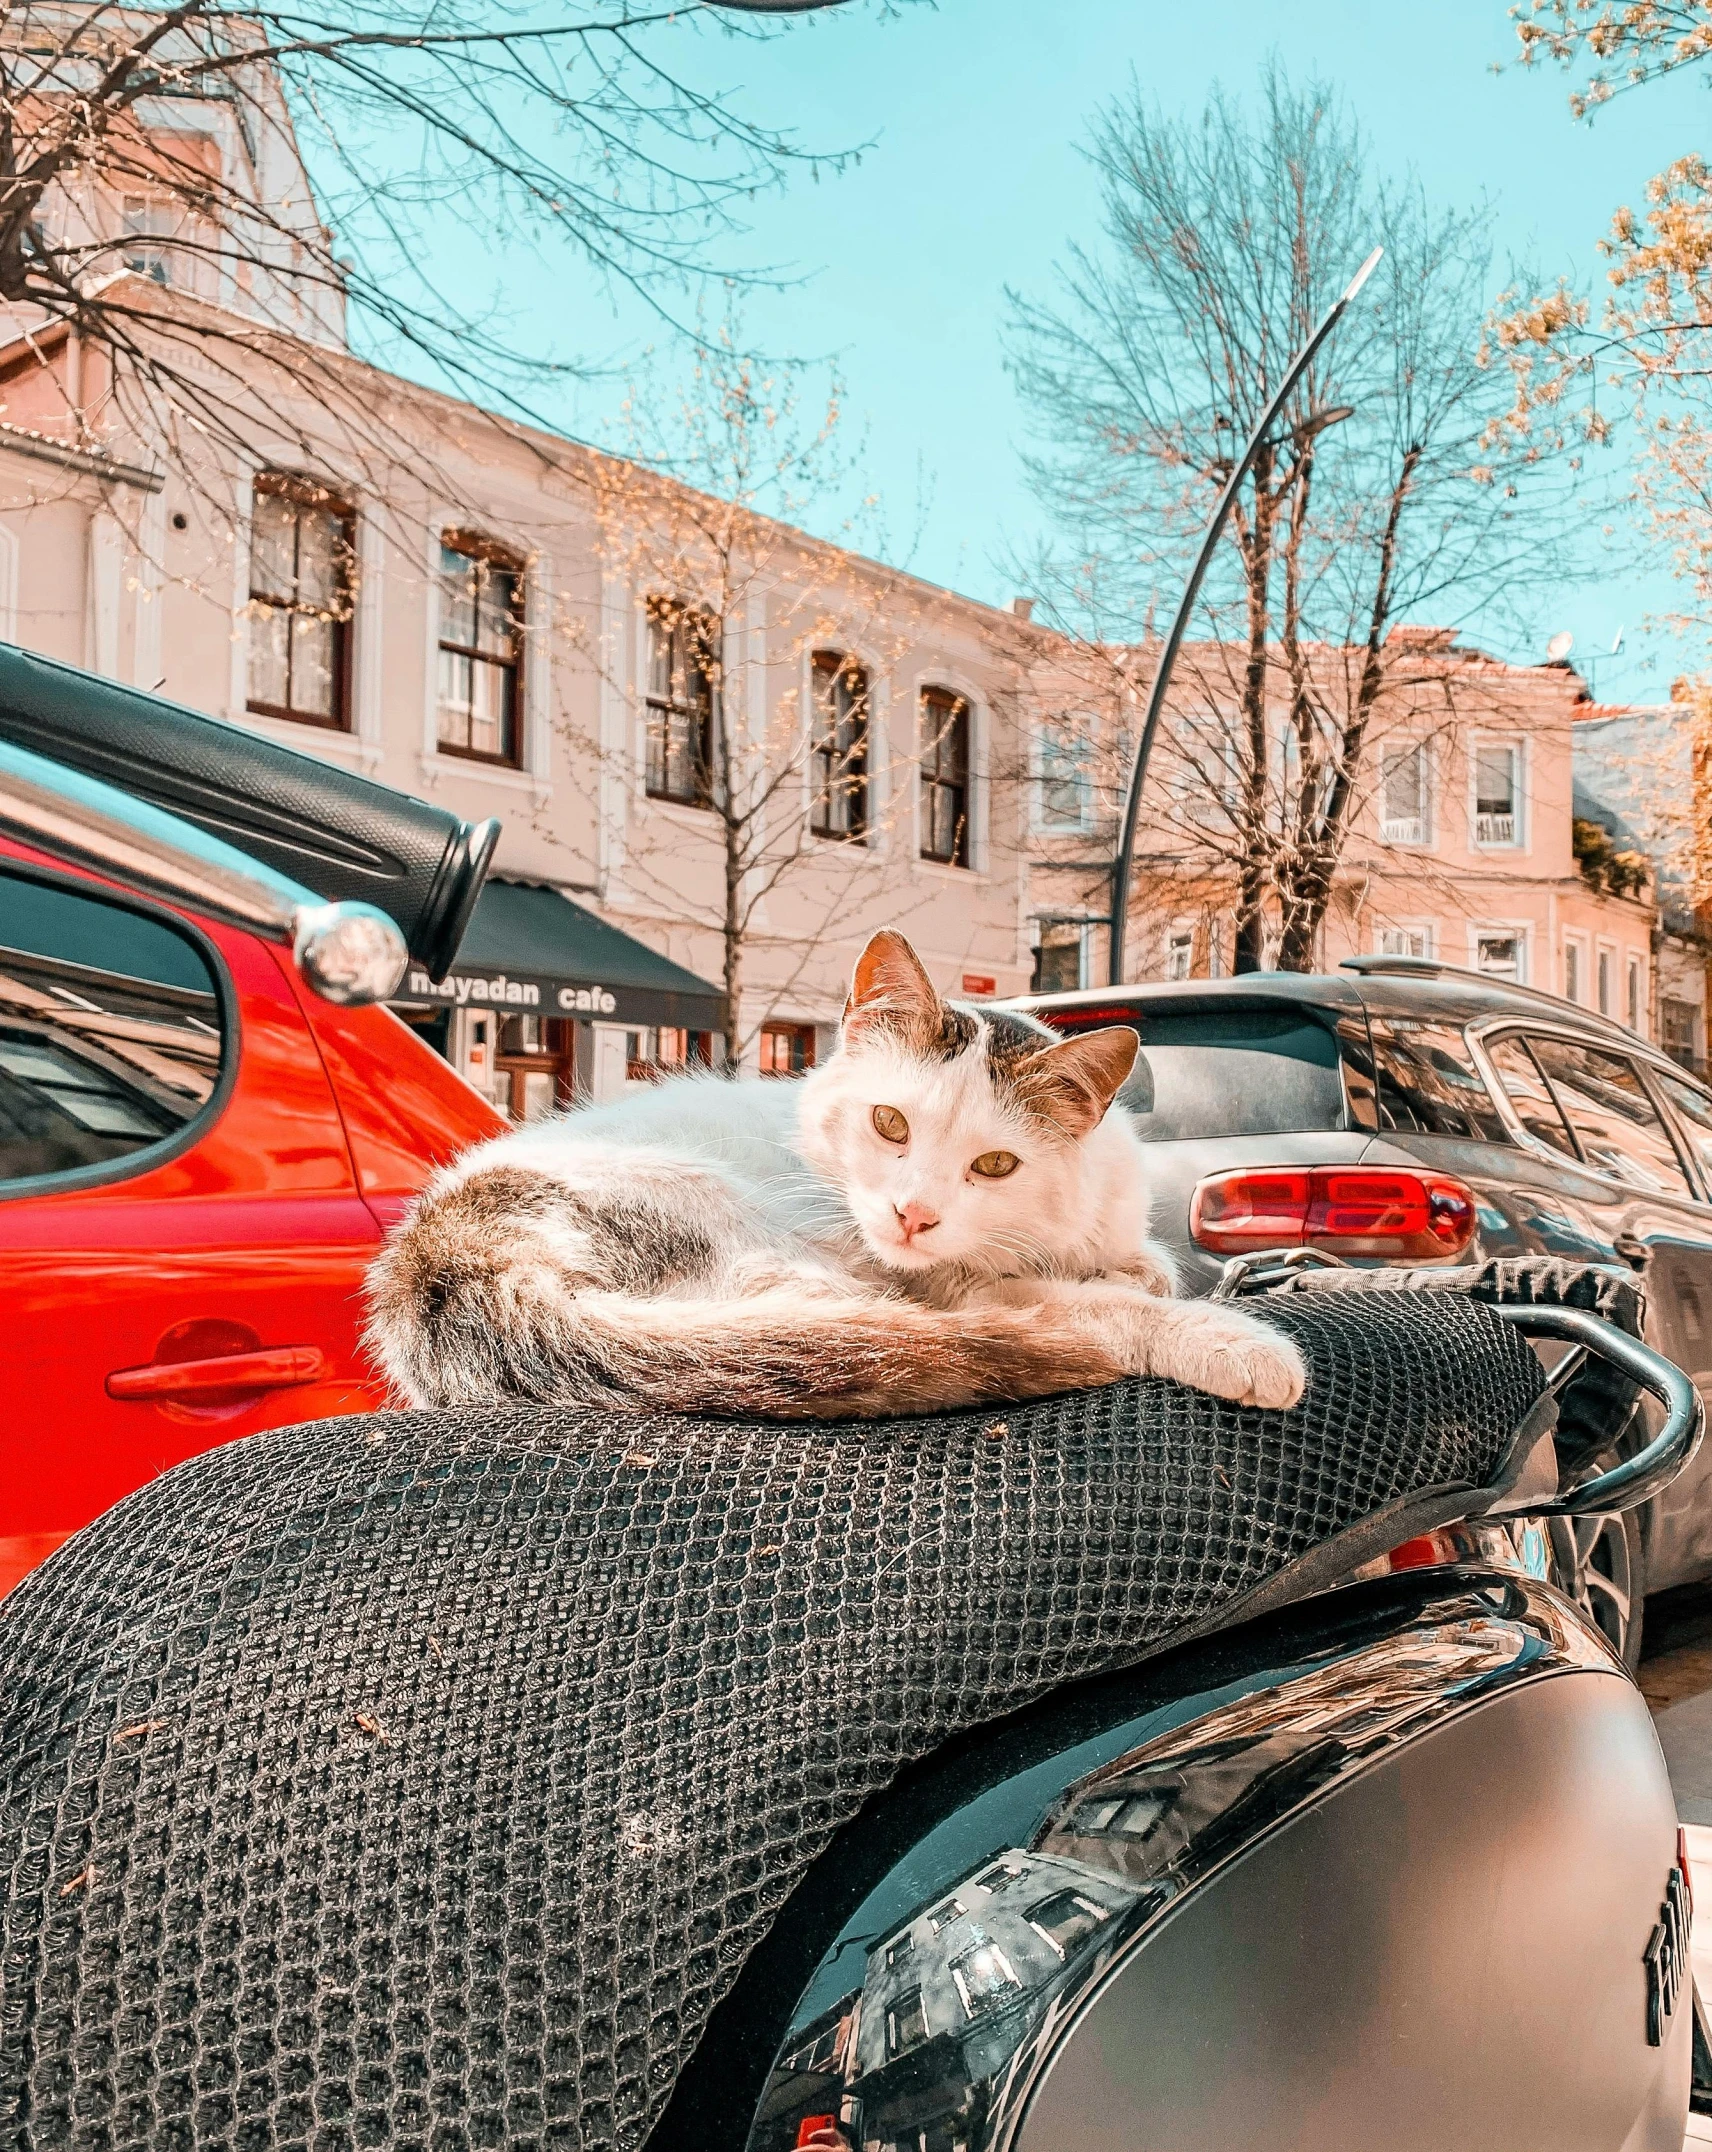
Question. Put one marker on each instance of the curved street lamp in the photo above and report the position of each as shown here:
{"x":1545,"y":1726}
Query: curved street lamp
{"x":1125,"y":862}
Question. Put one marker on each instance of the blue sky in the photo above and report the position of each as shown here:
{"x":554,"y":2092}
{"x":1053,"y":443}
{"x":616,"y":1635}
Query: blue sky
{"x":973,"y":181}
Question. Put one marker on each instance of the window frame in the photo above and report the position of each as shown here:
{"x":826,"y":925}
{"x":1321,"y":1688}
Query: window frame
{"x":1078,"y":927}
{"x":490,"y":553}
{"x":145,"y":1160}
{"x":1516,"y":748}
{"x":858,"y":783}
{"x":1689,"y":1067}
{"x":930,"y":784}
{"x":308,"y":493}
{"x":677,"y":618}
{"x":798,"y":1032}
{"x":1498,"y":931}
{"x":1481,"y":1037}
{"x":1391,"y":827}
{"x":1578,"y":947}
{"x":1423,"y":929}
{"x":1062,"y":758}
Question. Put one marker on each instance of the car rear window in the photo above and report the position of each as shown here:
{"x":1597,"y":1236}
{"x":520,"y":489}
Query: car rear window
{"x":1234,"y":1071}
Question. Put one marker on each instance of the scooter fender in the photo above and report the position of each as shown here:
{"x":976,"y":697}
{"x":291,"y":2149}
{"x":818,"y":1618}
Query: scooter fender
{"x":1396,"y":1866}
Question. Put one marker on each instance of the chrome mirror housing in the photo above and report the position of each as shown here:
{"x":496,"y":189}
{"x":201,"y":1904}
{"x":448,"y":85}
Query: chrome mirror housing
{"x":350,"y":953}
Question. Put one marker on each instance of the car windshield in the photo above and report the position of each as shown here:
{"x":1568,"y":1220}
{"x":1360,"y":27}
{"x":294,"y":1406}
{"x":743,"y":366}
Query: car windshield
{"x":1230,"y":1070}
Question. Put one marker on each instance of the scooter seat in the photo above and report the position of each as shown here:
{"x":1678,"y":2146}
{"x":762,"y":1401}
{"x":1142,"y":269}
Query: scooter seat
{"x":428,"y":1778}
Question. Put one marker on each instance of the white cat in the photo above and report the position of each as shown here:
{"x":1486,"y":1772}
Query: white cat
{"x":950,"y":1212}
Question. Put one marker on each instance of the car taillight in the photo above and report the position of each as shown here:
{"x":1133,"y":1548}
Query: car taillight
{"x":1350,"y":1210}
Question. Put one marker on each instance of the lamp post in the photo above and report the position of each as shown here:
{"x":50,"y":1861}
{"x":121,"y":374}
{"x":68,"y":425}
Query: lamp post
{"x":1124,"y":864}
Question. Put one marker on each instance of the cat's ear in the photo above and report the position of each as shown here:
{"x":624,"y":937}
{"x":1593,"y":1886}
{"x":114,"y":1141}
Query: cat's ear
{"x":1074,"y":1082}
{"x":890,"y":988}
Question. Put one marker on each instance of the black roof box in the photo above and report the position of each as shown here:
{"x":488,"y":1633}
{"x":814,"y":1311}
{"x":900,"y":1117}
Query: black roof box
{"x":338,"y":834}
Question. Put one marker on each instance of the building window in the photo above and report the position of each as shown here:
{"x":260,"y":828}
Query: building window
{"x":1632,"y":995}
{"x":1679,"y":1028}
{"x":1500,"y":956}
{"x":906,"y":2023}
{"x":1060,"y":959}
{"x":1405,"y":799}
{"x":1606,"y":969}
{"x":1065,"y":795}
{"x":838,"y":748}
{"x":1180,"y":952}
{"x":302,"y":576}
{"x":168,"y":244}
{"x":481,"y":651}
{"x":683,"y":671}
{"x":985,"y":1979}
{"x":1066,"y":1919}
{"x":652,"y":1055}
{"x":149,"y":226}
{"x":786,"y":1049}
{"x":1406,"y":941}
{"x":1497,"y":795}
{"x":944,"y":777}
{"x":1573,"y":986}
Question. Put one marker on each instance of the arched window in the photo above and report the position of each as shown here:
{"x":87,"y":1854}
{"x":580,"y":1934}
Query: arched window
{"x":838,"y":748}
{"x":302,"y":594}
{"x":683,"y":692}
{"x":480,"y":696}
{"x":944,"y":776}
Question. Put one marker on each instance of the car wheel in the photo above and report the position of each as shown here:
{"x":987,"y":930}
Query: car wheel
{"x":1599,"y":1562}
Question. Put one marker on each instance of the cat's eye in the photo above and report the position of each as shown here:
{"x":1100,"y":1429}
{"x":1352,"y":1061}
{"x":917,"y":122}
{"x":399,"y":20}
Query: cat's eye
{"x":995,"y":1165}
{"x":888,"y":1122}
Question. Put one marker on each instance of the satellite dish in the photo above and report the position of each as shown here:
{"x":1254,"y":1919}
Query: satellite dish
{"x":1561,"y":644}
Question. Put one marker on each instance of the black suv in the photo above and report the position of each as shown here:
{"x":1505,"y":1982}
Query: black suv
{"x":1405,"y":1111}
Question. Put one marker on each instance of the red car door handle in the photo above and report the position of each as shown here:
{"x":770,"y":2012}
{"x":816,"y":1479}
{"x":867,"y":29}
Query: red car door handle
{"x":274,"y":1367}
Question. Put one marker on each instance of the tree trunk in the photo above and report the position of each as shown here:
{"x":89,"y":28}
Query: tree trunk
{"x":1309,"y":887}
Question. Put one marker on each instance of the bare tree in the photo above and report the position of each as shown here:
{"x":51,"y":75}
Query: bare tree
{"x":183,"y":184}
{"x":784,"y":758}
{"x":1383,"y":492}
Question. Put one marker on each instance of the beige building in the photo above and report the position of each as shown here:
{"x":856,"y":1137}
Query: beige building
{"x":1461,"y":836}
{"x":497,"y":619}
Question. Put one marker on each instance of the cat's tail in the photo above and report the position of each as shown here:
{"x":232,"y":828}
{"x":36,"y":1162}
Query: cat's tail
{"x":493,"y":1291}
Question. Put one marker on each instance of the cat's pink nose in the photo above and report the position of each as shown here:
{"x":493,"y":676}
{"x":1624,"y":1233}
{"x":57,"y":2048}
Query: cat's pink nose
{"x":915,"y":1218}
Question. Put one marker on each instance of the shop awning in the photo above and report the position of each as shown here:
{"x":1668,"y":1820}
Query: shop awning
{"x":530,"y":950}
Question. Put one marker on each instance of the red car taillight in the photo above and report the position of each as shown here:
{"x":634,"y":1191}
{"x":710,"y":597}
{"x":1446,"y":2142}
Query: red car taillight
{"x":1350,"y":1210}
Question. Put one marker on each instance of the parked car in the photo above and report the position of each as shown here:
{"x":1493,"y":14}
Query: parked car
{"x":200,"y":1148}
{"x":1405,"y":1111}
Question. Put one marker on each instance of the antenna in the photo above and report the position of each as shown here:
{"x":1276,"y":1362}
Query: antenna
{"x":1561,"y":644}
{"x":1617,"y":640}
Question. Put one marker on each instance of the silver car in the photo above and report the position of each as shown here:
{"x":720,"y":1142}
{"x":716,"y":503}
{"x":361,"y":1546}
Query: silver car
{"x":1403,"y":1111}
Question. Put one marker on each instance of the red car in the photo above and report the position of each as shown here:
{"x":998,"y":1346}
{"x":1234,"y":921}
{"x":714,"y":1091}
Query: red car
{"x":203,"y":1136}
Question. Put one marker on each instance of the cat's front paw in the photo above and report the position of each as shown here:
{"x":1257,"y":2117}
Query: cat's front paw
{"x":1252,"y":1365}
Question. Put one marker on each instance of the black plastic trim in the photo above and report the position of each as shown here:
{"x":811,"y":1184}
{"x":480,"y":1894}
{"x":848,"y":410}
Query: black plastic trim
{"x":336,"y":833}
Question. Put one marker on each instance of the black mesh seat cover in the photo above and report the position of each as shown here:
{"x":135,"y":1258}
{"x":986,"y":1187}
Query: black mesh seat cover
{"x":426,"y":1779}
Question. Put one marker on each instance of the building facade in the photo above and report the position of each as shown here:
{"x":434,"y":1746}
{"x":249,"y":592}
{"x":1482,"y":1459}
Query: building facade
{"x":761,"y":739}
{"x":1461,"y":841}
